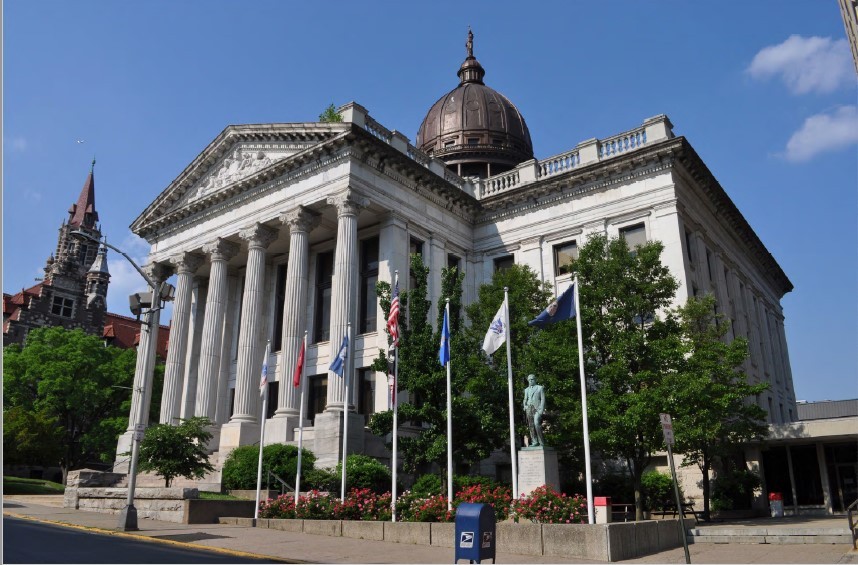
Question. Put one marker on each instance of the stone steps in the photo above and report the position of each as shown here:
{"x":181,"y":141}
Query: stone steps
{"x":770,"y":535}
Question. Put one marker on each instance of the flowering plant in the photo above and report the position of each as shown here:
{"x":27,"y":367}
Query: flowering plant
{"x":414,"y":508}
{"x":547,"y":506}
{"x":364,"y":504}
{"x":499,"y":498}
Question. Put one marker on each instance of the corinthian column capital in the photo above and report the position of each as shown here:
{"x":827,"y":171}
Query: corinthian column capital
{"x":348,"y":202}
{"x":258,"y":235}
{"x":221,"y":249}
{"x":158,"y":272}
{"x":300,"y":219}
{"x":187,"y":262}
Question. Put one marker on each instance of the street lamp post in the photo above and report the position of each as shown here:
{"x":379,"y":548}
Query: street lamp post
{"x":150,"y":305}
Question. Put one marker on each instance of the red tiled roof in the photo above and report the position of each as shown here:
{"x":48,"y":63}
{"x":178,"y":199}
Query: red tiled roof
{"x":124,"y":332}
{"x":13,"y":303}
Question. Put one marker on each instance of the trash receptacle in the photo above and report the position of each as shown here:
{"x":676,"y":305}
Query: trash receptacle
{"x":475,"y":532}
{"x":776,"y":504}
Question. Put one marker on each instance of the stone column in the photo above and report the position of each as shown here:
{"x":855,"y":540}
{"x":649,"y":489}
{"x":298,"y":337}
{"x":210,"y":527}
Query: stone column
{"x":220,"y":251}
{"x":185,"y":264}
{"x":141,"y":395}
{"x":233,"y":304}
{"x":192,"y":359}
{"x":258,"y":238}
{"x":344,"y":285}
{"x":301,"y":222}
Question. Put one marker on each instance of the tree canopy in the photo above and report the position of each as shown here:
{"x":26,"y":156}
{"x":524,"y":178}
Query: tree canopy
{"x":177,"y":451}
{"x":69,"y":385}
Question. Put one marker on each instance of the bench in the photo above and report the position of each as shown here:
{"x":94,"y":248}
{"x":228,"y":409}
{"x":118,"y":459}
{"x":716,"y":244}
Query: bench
{"x":687,"y":508}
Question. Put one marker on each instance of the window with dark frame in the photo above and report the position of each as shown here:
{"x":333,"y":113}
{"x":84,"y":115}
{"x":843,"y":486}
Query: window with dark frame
{"x":62,"y":306}
{"x":504,"y":263}
{"x":279,"y":301}
{"x":368,"y":277}
{"x":564,"y":254}
{"x":454,"y":261}
{"x":635,"y":236}
{"x":366,"y":392}
{"x":324,"y":280}
{"x":689,"y":247}
{"x":317,"y":395}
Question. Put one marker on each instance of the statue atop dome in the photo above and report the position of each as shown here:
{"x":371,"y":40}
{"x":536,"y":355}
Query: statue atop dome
{"x":469,"y":44}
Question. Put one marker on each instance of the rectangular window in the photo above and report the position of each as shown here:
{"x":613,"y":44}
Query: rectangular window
{"x":318,"y":395}
{"x":454,"y":261}
{"x":450,"y":143}
{"x":564,"y":255}
{"x":273,"y":391}
{"x":709,"y":263}
{"x":504,"y":263}
{"x":473,"y":141}
{"x":62,"y":307}
{"x":368,"y":277}
{"x":689,"y":247}
{"x":635,"y":235}
{"x":366,"y":392}
{"x":279,"y":300}
{"x":415,"y":247}
{"x":324,"y":279}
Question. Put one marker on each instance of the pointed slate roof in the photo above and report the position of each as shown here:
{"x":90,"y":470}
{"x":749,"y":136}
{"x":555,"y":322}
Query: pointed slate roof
{"x":82,"y":213}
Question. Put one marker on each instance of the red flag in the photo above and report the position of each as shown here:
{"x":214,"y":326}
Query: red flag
{"x":299,"y":370}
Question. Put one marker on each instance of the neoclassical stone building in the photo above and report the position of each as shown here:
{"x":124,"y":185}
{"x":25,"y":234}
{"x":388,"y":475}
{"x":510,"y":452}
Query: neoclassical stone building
{"x":277,"y":229}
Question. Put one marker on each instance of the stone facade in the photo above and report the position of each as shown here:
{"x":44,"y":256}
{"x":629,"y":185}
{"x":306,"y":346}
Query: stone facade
{"x":294,"y":244}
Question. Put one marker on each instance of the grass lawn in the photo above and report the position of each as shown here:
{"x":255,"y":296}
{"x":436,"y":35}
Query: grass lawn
{"x":17,"y":485}
{"x":205,"y":495}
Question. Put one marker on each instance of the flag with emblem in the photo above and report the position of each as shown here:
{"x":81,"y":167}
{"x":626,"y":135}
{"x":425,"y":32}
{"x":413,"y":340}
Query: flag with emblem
{"x":263,"y":380}
{"x":496,"y":336}
{"x":563,"y":308}
{"x":339,"y":363}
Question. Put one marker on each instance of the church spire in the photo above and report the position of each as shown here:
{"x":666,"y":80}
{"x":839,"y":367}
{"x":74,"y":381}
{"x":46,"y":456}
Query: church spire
{"x":82,"y":213}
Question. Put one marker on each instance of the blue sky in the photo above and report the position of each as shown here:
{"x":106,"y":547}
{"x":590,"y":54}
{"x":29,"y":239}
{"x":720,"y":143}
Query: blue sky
{"x":765,"y":91}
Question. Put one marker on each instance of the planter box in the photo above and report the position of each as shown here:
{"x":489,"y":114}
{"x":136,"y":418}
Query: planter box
{"x":358,"y":529}
{"x":443,"y":534}
{"x":408,"y":532}
{"x":524,"y":538}
{"x":286,"y":525}
{"x":577,"y":540}
{"x":324,"y":527}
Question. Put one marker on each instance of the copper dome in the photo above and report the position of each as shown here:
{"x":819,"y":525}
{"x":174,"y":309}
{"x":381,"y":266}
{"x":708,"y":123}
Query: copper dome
{"x":475,"y":129}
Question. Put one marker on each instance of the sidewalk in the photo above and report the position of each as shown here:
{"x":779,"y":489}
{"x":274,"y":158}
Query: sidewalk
{"x":305,"y":548}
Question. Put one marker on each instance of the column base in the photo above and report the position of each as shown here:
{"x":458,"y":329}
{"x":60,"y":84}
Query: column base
{"x":537,"y":466}
{"x":328,"y":437}
{"x":236,"y":434}
{"x":122,"y":463}
{"x":282,"y":429}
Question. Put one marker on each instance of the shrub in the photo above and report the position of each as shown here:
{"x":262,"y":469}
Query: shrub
{"x":240,"y":467}
{"x":461,"y":482}
{"x":281,"y":507}
{"x":363,"y":504}
{"x":499,"y":497}
{"x":427,"y":485}
{"x":734,"y":490}
{"x":177,"y":451}
{"x":365,"y":472}
{"x":546,"y":506}
{"x":658,"y":491}
{"x":324,"y":480}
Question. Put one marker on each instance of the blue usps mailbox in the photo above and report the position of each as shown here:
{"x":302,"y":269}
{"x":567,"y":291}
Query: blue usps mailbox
{"x":475,"y":532}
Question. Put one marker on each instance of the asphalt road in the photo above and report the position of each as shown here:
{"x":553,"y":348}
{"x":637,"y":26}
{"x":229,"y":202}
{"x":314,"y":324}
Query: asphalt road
{"x":31,"y":542}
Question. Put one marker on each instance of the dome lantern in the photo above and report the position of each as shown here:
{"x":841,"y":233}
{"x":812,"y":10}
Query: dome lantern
{"x":474,"y":129}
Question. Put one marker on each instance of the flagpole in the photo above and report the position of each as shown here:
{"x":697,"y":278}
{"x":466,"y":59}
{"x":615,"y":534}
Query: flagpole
{"x":590,"y":515}
{"x":395,"y":401}
{"x":301,"y":424}
{"x":346,"y":378}
{"x":449,"y":418}
{"x":262,"y":433}
{"x":512,"y":455}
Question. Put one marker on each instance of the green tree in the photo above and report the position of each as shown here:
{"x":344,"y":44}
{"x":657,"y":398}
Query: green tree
{"x":30,"y":437}
{"x":242,"y":464}
{"x":74,"y":380}
{"x":330,"y":115}
{"x":421,"y":374}
{"x":177,"y":451}
{"x":630,"y":349}
{"x":710,"y":393}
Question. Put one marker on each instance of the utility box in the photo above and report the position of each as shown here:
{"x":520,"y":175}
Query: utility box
{"x":776,"y":504}
{"x":475,"y":532}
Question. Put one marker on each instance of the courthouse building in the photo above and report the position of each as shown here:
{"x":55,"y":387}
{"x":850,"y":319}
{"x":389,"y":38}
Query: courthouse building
{"x":281,"y":228}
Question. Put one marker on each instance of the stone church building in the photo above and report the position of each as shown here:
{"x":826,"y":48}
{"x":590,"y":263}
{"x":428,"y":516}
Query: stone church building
{"x":280,"y":228}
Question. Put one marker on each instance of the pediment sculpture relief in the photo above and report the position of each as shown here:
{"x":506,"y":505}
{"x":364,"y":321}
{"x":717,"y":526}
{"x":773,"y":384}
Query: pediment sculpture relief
{"x":238,"y":165}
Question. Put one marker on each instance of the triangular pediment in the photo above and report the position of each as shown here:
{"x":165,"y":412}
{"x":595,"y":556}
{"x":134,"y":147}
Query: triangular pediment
{"x":238,"y":155}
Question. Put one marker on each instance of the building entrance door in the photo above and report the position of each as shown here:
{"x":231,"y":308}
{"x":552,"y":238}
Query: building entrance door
{"x":847,"y":483}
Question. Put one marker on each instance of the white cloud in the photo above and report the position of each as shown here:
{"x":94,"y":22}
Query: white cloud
{"x":806,"y":64}
{"x":823,"y":132}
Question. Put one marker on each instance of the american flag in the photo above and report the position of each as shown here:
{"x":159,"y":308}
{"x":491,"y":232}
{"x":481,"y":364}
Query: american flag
{"x":393,"y":318}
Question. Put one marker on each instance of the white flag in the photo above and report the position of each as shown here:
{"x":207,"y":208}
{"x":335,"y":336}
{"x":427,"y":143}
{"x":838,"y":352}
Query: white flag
{"x":496,"y":336}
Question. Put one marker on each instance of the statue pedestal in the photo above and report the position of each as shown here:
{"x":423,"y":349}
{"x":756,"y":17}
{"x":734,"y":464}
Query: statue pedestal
{"x":537,"y":466}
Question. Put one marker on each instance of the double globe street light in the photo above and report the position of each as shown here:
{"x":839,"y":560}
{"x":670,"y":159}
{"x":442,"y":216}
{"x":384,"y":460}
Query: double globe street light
{"x":149,"y":304}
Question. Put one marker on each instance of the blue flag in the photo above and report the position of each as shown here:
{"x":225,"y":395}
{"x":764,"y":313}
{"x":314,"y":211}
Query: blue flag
{"x":563,"y":308}
{"x":444,"y":353}
{"x":339,"y":362}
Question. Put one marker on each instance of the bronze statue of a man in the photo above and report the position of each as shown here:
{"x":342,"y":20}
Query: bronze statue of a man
{"x":534,"y":407}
